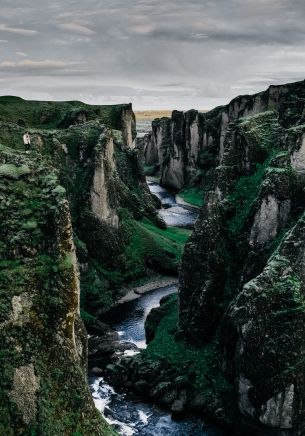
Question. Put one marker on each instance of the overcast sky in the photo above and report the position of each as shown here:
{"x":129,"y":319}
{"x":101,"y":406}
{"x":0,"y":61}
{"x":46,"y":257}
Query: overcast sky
{"x":154,"y":53}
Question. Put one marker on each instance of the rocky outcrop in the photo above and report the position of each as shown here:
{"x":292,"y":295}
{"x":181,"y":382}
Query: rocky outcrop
{"x":172,"y":174}
{"x":159,"y":382}
{"x":266,"y":320}
{"x":100,"y":192}
{"x":184,"y":147}
{"x":238,"y":281}
{"x":128,"y":126}
{"x":43,"y":341}
{"x":157,"y":143}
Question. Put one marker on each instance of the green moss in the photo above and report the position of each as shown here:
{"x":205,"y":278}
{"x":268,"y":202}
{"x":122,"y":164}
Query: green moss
{"x":150,"y":170}
{"x":206,"y":159}
{"x":14,"y":171}
{"x":59,"y":190}
{"x":96,"y":292}
{"x":243,"y":196}
{"x":262,"y":132}
{"x":36,"y":269}
{"x":30,"y":225}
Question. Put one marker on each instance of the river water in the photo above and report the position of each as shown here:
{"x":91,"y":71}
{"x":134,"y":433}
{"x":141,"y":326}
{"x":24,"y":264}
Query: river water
{"x":174,"y":211}
{"x":128,"y":414}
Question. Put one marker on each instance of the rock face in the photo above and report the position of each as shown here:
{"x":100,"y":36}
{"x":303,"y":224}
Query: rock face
{"x":242,"y":274}
{"x":266,"y":320}
{"x":128,"y":126}
{"x":184,"y":146}
{"x":100,"y":201}
{"x":98,"y":174}
{"x":43,"y":341}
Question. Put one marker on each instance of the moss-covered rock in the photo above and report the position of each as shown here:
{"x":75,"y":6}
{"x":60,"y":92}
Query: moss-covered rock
{"x":266,"y":320}
{"x":101,"y":171}
{"x":43,"y":388}
{"x":170,"y":372}
{"x":241,"y":275}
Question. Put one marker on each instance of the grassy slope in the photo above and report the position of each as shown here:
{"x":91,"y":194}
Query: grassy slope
{"x":49,"y":115}
{"x":147,"y":248}
{"x":193,"y":196}
{"x":147,"y":242}
{"x":198,"y":365}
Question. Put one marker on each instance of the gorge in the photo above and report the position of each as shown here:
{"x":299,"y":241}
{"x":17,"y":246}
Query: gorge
{"x":84,"y":222}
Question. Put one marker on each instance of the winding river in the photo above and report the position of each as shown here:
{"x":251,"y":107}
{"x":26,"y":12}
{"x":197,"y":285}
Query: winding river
{"x":128,"y":414}
{"x":175,"y":211}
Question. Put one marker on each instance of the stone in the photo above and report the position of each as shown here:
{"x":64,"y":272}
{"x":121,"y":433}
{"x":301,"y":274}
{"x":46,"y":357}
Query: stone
{"x":168,"y":397}
{"x":177,"y":407}
{"x":141,"y":386}
{"x":96,"y":371}
{"x":25,"y":391}
{"x":241,"y":277}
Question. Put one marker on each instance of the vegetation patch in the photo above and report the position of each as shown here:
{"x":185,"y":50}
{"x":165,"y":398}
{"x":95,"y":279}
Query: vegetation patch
{"x":262,"y":131}
{"x":145,"y":249}
{"x":192,"y":195}
{"x":52,"y":115}
{"x":13,"y":171}
{"x":149,"y":246}
{"x":38,"y":306}
{"x":199,"y":365}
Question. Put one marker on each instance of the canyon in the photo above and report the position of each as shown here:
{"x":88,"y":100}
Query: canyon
{"x":81,"y":226}
{"x":240,"y":283}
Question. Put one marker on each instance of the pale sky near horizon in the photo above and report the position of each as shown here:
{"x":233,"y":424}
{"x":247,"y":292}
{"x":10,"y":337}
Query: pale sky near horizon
{"x":156,"y":54}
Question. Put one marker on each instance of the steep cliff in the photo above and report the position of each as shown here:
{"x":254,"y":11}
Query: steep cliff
{"x":241,"y":280}
{"x":186,"y":146}
{"x":234,"y":348}
{"x":94,"y":150}
{"x":80,"y":193}
{"x":42,"y":339}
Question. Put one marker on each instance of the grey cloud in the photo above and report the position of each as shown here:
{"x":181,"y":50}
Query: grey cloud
{"x":17,"y":30}
{"x":30,"y":65}
{"x":76,"y":28}
{"x":174,"y":53}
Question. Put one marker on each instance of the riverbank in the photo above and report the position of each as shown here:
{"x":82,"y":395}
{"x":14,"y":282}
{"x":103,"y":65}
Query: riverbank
{"x":154,"y":284}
